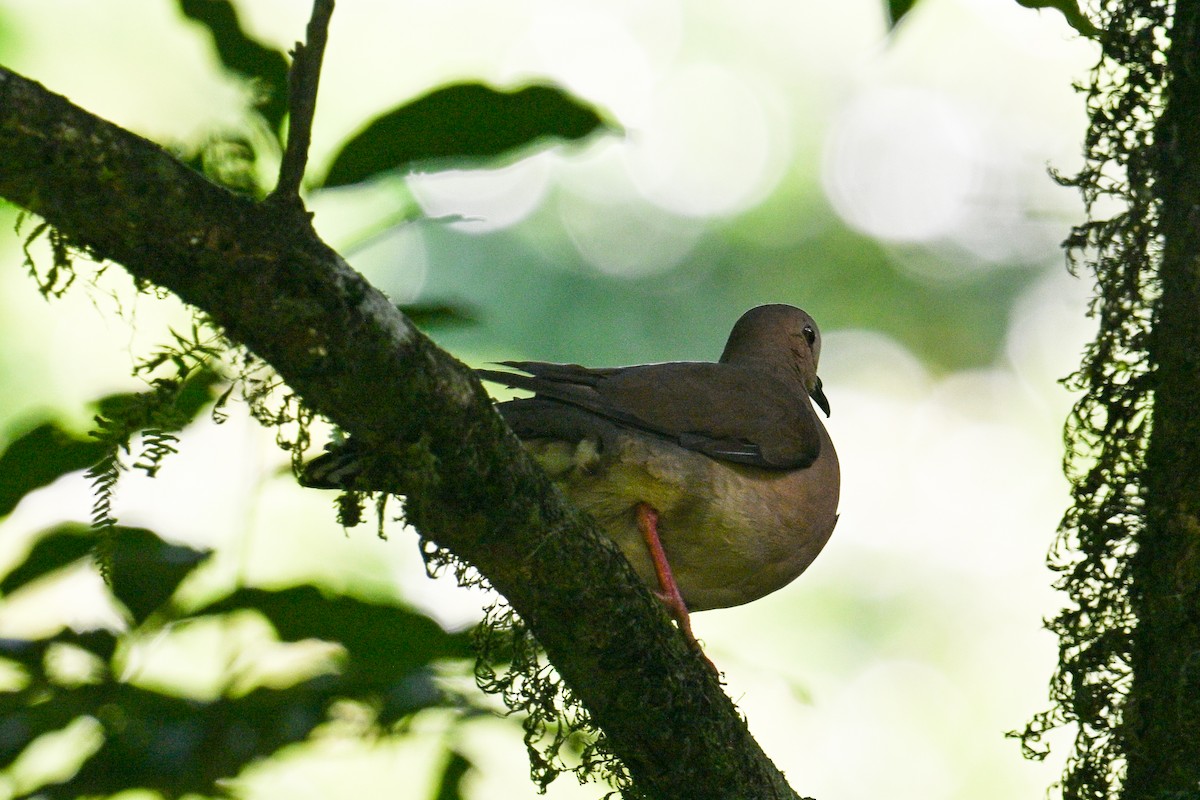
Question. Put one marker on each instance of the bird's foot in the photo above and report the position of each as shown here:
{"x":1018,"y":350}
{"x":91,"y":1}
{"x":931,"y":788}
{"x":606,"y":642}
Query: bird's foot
{"x":668,"y":593}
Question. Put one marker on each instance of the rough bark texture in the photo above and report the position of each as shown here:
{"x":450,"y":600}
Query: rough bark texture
{"x":1163,"y":717}
{"x":262,"y":274}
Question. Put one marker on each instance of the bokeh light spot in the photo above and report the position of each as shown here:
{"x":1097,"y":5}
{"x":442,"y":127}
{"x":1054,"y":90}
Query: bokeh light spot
{"x":706,"y":146}
{"x":484,"y":200}
{"x":901,"y":164}
{"x":615,"y":228}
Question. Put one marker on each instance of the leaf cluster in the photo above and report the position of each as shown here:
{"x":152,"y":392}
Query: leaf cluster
{"x":462,"y":125}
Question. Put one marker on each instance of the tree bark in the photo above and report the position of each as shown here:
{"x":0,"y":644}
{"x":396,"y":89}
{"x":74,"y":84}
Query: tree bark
{"x":261,"y":273}
{"x":1162,"y":719}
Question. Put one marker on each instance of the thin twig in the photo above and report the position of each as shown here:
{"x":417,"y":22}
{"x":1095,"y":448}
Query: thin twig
{"x":303,"y":79}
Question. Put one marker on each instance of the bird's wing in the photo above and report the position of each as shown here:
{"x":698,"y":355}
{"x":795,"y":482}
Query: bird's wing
{"x":725,"y":411}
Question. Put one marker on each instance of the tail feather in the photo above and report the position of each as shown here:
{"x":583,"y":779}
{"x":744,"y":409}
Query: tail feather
{"x":336,"y":469}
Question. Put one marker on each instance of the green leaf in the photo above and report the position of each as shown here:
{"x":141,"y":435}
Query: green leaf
{"x":146,"y":571}
{"x":380,"y":639}
{"x":48,"y":451}
{"x":389,"y":648}
{"x":28,"y":713}
{"x":265,"y":66}
{"x":39,"y":457}
{"x":196,"y":394}
{"x":55,"y":549}
{"x":461,"y":124}
{"x":896,"y":9}
{"x":179,"y":746}
{"x":432,"y":315}
{"x":451,"y":785}
{"x":140,"y":410}
{"x":31,"y":654}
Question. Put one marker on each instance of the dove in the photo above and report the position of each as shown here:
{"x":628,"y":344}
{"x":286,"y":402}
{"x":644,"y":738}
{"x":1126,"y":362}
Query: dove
{"x":717,"y":480}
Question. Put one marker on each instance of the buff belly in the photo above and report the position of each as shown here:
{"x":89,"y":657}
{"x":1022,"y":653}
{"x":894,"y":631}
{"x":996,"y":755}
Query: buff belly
{"x":732,"y":533}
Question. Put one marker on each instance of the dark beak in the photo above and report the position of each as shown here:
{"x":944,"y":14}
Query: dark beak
{"x":819,"y":396}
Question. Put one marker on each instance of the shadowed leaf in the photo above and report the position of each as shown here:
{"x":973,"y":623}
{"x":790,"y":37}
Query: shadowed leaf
{"x":450,"y":787}
{"x":440,"y":314}
{"x":1070,"y":10}
{"x":39,"y":457}
{"x":896,"y":9}
{"x":62,"y":545}
{"x":179,"y":746}
{"x":25,"y":713}
{"x":383,"y":639}
{"x":146,"y":571}
{"x":390,"y":649}
{"x":48,"y":451}
{"x":31,"y":653}
{"x":461,"y":123}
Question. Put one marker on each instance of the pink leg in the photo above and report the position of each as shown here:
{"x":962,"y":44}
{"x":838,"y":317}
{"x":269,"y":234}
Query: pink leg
{"x":647,"y":522}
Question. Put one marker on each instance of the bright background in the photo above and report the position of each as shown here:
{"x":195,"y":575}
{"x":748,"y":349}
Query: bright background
{"x":895,"y":186}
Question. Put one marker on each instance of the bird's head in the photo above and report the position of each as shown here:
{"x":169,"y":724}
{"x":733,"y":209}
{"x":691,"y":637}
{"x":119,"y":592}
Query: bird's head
{"x":783,"y":339}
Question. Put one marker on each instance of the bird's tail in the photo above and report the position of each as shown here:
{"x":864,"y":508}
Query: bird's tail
{"x":337,"y":468}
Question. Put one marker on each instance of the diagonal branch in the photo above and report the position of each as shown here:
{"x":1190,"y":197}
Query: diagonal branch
{"x":275,"y":287}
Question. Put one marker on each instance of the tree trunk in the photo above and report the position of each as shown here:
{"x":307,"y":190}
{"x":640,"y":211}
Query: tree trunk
{"x":1163,"y":715}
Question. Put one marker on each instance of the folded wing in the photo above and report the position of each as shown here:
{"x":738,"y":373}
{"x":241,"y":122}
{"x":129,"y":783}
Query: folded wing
{"x":726,"y":411}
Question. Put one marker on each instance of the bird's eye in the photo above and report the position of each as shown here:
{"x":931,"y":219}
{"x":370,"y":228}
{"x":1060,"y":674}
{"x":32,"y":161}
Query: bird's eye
{"x":810,"y":335}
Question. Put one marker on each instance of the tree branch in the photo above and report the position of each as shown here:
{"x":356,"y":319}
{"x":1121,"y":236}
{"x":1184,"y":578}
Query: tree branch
{"x":275,"y":287}
{"x":303,"y":80}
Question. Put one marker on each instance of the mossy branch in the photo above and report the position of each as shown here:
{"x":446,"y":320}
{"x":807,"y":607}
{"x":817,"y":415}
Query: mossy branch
{"x":260,"y":273}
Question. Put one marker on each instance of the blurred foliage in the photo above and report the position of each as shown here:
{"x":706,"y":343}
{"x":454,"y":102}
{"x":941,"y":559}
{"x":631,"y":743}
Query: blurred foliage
{"x":388,"y":648}
{"x":896,"y":9}
{"x":1074,"y":15}
{"x":1070,"y":10}
{"x":556,"y":308}
{"x":456,"y":770}
{"x":169,"y":741}
{"x":435,"y":315}
{"x":164,"y":738}
{"x":39,"y":456}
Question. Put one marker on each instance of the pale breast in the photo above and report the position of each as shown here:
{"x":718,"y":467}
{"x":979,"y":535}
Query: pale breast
{"x":732,"y":533}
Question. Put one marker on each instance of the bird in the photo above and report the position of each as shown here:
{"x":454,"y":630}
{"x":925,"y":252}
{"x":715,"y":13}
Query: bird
{"x":717,"y":480}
